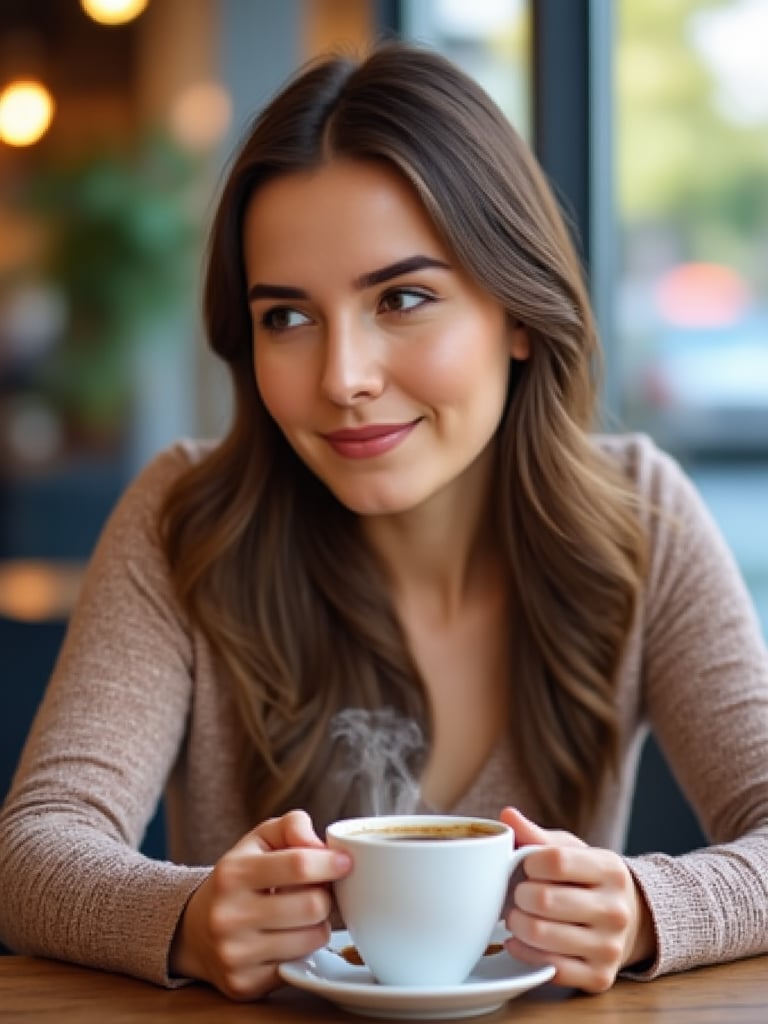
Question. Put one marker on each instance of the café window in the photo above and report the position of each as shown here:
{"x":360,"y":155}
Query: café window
{"x":691,"y":117}
{"x":489,"y":39}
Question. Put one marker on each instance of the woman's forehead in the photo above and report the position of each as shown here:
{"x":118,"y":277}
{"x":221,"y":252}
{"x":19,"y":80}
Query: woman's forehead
{"x":365,"y":210}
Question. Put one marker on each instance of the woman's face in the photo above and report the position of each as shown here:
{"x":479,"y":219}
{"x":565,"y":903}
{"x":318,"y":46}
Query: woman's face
{"x":383,"y":363}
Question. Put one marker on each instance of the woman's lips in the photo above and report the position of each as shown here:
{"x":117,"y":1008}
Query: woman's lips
{"x":366,"y":442}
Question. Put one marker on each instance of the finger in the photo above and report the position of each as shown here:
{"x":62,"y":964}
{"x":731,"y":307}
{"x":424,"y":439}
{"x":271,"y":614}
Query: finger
{"x":238,"y":912}
{"x":292,"y":944}
{"x":554,"y":902}
{"x":576,"y":865}
{"x":272,"y":913}
{"x":292,"y":829}
{"x":248,"y":969}
{"x":299,"y":830}
{"x":599,"y":949}
{"x":591,"y":943}
{"x":248,"y":870}
{"x":570,"y":972}
{"x":299,"y":867}
{"x":597,"y":908}
{"x":247,"y":982}
{"x":527,"y":832}
{"x":287,"y":910}
{"x":549,"y":936}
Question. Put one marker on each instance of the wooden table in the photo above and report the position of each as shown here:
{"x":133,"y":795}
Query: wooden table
{"x":35,"y":990}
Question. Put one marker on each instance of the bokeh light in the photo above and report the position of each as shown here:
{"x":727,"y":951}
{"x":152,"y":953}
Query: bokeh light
{"x":26,"y":112}
{"x":702,"y":295}
{"x":200,"y":115}
{"x":113,"y":12}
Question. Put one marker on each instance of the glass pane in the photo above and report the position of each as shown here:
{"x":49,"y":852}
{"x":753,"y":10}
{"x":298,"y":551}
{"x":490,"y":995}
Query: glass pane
{"x":489,"y":39}
{"x":692,"y":165}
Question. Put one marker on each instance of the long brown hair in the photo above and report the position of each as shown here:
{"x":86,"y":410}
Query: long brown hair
{"x":274,"y":570}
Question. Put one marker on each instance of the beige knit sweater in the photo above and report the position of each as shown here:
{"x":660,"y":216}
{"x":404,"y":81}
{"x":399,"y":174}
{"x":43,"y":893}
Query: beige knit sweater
{"x":135,"y":708}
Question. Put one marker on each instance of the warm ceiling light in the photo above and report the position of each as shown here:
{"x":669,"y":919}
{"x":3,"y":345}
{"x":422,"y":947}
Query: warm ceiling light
{"x":26,"y":111}
{"x":38,"y":591}
{"x":113,"y":12}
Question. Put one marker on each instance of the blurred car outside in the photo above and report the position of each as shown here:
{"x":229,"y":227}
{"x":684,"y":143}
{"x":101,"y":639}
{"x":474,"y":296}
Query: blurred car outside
{"x":700,"y":384}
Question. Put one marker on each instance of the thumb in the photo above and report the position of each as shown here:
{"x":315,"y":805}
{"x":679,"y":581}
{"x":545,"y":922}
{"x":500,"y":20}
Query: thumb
{"x":527,"y":832}
{"x":299,"y":830}
{"x":293,"y":829}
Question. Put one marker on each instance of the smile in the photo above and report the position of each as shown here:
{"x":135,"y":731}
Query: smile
{"x":367,"y":442}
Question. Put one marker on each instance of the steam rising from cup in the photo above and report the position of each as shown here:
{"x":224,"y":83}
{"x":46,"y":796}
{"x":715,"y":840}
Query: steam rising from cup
{"x":380,"y":745}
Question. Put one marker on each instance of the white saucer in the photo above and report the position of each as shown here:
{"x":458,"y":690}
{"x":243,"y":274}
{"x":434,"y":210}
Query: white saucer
{"x":495,"y":979}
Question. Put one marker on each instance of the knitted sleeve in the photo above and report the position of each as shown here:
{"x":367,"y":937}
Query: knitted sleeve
{"x":705,"y":688}
{"x":106,"y":735}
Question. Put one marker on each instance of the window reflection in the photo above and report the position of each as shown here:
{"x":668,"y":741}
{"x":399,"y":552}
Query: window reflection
{"x":489,"y":39}
{"x":692,"y":170}
{"x":692,"y":159}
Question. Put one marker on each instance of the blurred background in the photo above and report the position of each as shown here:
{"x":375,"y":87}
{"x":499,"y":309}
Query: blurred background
{"x":116,"y":121}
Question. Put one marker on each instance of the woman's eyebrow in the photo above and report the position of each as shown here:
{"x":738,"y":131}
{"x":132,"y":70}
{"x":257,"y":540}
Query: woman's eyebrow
{"x":262,"y":290}
{"x":275,"y":291}
{"x":405,"y":266}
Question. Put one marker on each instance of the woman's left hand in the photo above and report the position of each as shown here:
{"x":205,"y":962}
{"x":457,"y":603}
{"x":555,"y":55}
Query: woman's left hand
{"x":577,"y":908}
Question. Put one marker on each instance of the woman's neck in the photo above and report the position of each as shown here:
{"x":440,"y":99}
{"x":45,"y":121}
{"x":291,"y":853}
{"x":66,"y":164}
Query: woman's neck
{"x":439,"y":555}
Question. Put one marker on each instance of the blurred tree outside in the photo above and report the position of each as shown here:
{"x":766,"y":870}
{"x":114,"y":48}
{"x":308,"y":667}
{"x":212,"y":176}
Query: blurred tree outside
{"x":692,"y":191}
{"x":691,"y":170}
{"x":684,"y":158}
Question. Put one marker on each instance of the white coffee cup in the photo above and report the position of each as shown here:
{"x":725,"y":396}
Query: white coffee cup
{"x":424,"y":893}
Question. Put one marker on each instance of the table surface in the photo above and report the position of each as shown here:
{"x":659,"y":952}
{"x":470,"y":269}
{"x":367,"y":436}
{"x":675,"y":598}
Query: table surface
{"x":34,"y":989}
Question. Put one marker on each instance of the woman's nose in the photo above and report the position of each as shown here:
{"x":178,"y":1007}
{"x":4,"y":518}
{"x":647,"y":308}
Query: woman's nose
{"x":353,"y":371}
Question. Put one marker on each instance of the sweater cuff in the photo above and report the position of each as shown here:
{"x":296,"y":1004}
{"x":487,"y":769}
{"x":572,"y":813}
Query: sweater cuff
{"x":647,"y":969}
{"x":681,"y":925}
{"x":166,"y":913}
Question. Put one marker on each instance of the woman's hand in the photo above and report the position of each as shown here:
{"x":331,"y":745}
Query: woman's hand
{"x":578,"y":908}
{"x":266,"y":901}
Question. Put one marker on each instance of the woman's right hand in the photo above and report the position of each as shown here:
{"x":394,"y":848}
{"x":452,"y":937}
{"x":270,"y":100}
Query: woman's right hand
{"x":266,"y":901}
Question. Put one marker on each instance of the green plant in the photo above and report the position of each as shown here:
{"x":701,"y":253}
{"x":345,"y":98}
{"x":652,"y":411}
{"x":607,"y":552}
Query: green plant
{"x":123,"y":232}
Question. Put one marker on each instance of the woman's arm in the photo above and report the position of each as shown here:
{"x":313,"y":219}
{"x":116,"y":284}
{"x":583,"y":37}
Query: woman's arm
{"x":98,"y":756}
{"x":706,"y":694}
{"x":705,"y":690}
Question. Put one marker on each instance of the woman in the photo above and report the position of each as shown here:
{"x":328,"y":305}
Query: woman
{"x":410,"y":515}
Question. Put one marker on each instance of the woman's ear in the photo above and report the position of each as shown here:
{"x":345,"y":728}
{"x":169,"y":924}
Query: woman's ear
{"x":519,"y":342}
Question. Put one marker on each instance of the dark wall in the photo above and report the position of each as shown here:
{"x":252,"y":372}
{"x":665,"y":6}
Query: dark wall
{"x":662,"y":820}
{"x":27,"y":654}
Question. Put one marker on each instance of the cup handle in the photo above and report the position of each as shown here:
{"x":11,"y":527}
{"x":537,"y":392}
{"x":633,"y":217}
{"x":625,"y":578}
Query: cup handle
{"x":518,"y":856}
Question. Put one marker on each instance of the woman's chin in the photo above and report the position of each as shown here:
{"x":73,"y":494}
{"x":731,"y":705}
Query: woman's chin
{"x":376,"y":503}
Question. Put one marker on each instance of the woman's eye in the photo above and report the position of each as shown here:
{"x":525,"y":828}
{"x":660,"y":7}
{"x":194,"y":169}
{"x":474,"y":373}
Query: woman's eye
{"x":283,"y":318}
{"x":403,"y":300}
